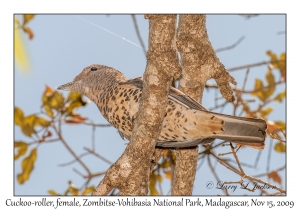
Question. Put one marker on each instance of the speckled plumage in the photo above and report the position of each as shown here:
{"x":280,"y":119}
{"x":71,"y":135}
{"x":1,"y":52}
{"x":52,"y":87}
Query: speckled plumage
{"x":186,"y":123}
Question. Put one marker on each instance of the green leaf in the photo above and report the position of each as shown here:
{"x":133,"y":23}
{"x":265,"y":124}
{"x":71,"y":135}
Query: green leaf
{"x":159,"y":178}
{"x":39,"y":121}
{"x":266,"y":112}
{"x":281,"y":124}
{"x":73,"y":190}
{"x":152,"y":183}
{"x":18,"y":116}
{"x":74,"y":105}
{"x":88,"y":190}
{"x":48,"y":110}
{"x":278,"y":63}
{"x":76,"y":101}
{"x":246,"y":107}
{"x":47,"y":93}
{"x":273,"y":57}
{"x":271,"y":84}
{"x":52,"y":192}
{"x":27,"y":166}
{"x":56,"y":101}
{"x":22,"y":149}
{"x":270,"y":77}
{"x":280,"y":96}
{"x":165,"y":164}
{"x":280,"y":147}
{"x":258,"y":90}
{"x":73,"y":96}
{"x":27,"y":18}
{"x":52,"y":100}
{"x":28,"y":125}
{"x":29,"y":32}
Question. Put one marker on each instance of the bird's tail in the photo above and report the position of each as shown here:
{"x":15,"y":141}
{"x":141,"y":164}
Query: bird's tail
{"x":240,"y":130}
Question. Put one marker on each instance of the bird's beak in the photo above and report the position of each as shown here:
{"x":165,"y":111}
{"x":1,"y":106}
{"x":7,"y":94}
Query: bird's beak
{"x":67,"y":86}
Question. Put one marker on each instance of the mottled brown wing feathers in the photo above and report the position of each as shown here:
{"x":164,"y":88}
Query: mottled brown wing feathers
{"x":181,"y":98}
{"x":174,"y":94}
{"x":237,"y":129}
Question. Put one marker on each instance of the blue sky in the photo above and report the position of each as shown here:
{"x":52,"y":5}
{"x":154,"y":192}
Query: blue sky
{"x":64,"y":44}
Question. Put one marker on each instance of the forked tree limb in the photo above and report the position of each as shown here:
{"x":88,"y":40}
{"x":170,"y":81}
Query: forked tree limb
{"x":199,"y":60}
{"x":199,"y":63}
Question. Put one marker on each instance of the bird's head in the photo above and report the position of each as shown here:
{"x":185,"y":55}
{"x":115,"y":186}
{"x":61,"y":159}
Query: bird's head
{"x":92,"y":78}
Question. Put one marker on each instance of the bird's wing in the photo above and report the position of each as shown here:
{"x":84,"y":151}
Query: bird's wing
{"x":181,"y":98}
{"x":174,"y":94}
{"x":232,"y":126}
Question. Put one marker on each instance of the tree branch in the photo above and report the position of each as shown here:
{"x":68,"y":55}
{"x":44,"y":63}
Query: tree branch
{"x":130,"y":174}
{"x":199,"y":64}
{"x":253,"y":178}
{"x":253,"y":65}
{"x":231,"y":46}
{"x":138,"y":33}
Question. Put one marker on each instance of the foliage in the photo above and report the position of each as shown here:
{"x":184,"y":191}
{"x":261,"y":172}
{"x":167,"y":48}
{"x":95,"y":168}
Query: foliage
{"x":73,"y":190}
{"x":56,"y":109}
{"x":45,"y":127}
{"x":21,"y":53}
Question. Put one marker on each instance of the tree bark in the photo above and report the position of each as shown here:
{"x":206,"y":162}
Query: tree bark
{"x":130,"y":173}
{"x":199,"y":63}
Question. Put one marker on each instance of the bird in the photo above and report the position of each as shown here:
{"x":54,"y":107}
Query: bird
{"x":186,"y":123}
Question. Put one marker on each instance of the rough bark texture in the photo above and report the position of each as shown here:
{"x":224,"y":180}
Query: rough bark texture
{"x":130,"y":174}
{"x":199,"y":60}
{"x":199,"y":63}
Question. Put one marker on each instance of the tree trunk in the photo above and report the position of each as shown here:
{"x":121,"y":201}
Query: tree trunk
{"x":130,"y":174}
{"x":199,"y":63}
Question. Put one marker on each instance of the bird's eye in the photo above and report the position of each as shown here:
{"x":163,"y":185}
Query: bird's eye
{"x":93,"y":69}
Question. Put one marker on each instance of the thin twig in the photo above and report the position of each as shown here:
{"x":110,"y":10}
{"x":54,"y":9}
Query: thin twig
{"x":260,"y":89}
{"x":93,"y":138}
{"x":70,"y":150}
{"x":277,"y":193}
{"x":219,"y":106}
{"x":236,"y":158}
{"x":46,"y":141}
{"x":215,"y":174}
{"x":257,"y":158}
{"x":253,"y":65}
{"x":231,"y":46}
{"x":247,"y":91}
{"x":275,"y":136}
{"x":269,"y":157}
{"x":283,"y":133}
{"x":79,"y":173}
{"x":73,"y":161}
{"x":227,"y":165}
{"x":245,"y":79}
{"x":245,"y":187}
{"x":94,"y":175}
{"x":84,"y":123}
{"x":97,"y":155}
{"x":242,"y":164}
{"x":138,"y":33}
{"x":201,"y":162}
{"x":266,"y":174}
{"x":252,"y":178}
